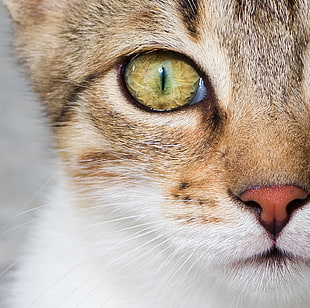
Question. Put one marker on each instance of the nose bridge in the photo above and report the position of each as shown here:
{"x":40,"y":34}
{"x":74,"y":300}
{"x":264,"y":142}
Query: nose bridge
{"x":269,"y":111}
{"x":268,"y":146}
{"x":266,"y":139}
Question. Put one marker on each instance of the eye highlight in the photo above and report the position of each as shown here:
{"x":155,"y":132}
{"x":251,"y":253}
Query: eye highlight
{"x":163,"y":81}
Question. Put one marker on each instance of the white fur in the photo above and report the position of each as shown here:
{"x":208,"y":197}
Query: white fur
{"x":120,"y":252}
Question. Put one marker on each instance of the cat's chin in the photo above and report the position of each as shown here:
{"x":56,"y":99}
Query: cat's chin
{"x":272,"y":276}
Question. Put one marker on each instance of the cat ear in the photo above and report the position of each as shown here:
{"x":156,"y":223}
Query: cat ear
{"x":31,"y":10}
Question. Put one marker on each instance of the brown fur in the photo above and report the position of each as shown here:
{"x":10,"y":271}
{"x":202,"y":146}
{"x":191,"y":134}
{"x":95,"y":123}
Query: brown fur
{"x":252,"y":130}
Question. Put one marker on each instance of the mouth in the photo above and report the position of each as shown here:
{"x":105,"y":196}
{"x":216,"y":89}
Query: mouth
{"x":274,"y":257}
{"x":276,"y":254}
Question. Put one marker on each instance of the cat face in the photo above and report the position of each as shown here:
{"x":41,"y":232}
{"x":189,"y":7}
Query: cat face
{"x":206,"y":174}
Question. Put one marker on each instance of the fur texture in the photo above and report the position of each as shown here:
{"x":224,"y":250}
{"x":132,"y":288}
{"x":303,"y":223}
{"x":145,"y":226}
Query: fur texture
{"x":147,"y":212}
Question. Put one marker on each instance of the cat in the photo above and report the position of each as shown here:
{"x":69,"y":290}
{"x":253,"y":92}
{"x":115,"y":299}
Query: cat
{"x":183,"y":138}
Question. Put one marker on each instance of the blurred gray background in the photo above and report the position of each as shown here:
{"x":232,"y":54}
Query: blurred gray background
{"x":25,"y":155}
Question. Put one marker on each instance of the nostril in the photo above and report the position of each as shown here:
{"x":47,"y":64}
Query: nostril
{"x":295,"y":205}
{"x":254,"y":206}
{"x":274,"y":204}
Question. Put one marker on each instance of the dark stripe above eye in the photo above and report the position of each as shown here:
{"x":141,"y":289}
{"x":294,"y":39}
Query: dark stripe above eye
{"x":189,"y":10}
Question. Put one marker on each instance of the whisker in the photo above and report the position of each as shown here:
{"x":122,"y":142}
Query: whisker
{"x":113,"y":220}
{"x":29,"y":222}
{"x":29,"y":201}
{"x":54,"y":283}
{"x":110,"y":264}
{"x":148,"y":251}
{"x":99,"y":284}
{"x":175,"y":272}
{"x":105,"y":303}
{"x":8,"y":268}
{"x":29,"y":211}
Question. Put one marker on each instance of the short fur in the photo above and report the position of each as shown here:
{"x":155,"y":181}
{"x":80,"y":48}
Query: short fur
{"x":146,"y":212}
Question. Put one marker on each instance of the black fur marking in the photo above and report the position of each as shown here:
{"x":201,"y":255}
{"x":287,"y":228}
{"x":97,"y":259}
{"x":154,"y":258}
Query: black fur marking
{"x":189,"y":10}
{"x":186,"y":199}
{"x":183,"y":185}
{"x":71,"y":101}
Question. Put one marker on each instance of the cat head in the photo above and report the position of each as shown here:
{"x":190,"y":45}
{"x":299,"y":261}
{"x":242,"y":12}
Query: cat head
{"x":211,"y":165}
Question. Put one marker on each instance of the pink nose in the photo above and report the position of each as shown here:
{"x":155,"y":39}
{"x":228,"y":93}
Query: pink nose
{"x":273,"y":202}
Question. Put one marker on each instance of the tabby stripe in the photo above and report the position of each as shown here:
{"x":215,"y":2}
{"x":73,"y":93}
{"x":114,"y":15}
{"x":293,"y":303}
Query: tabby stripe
{"x":255,"y":7}
{"x":189,"y":10}
{"x":71,"y":100}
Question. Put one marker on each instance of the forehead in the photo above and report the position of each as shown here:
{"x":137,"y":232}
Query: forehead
{"x":267,"y":39}
{"x":230,"y":21}
{"x":232,"y":41}
{"x":164,"y":22}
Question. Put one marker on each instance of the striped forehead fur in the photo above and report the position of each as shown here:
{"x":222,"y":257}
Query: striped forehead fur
{"x":189,"y":10}
{"x":152,"y":20}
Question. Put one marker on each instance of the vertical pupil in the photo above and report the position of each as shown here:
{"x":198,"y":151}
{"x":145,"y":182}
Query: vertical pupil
{"x":162,"y":74}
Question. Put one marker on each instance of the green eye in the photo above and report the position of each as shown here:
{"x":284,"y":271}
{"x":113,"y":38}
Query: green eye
{"x":163,"y":80}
